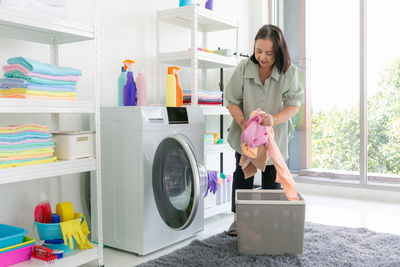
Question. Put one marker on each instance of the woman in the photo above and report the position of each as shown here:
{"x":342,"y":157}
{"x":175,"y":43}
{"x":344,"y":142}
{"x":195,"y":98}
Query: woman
{"x":267,"y":81}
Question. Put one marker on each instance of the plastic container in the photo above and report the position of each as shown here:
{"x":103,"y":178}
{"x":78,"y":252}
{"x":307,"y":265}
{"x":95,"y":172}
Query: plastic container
{"x":59,"y":245}
{"x":170,"y":94}
{"x":141,"y":90}
{"x":11,"y":235}
{"x":73,"y":144}
{"x":185,"y":2}
{"x":15,"y":256}
{"x":268,"y":223}
{"x":129,"y":96}
{"x":49,"y":231}
{"x":42,"y":213}
{"x":26,"y":242}
{"x":121,"y":84}
{"x":179,"y":95}
{"x":209,"y":4}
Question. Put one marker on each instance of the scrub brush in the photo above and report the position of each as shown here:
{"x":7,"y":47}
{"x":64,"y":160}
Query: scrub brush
{"x":42,"y":254}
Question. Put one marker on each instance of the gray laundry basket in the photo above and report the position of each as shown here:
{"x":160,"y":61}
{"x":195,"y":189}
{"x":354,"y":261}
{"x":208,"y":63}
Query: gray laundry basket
{"x":268,"y":223}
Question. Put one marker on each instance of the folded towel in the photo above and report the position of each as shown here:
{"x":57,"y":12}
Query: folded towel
{"x":31,"y":162}
{"x":24,"y":91}
{"x":40,"y":97}
{"x":18,"y":74}
{"x":26,"y":152}
{"x":34,"y":156}
{"x":24,"y":70}
{"x":43,"y":68}
{"x":25,"y":141}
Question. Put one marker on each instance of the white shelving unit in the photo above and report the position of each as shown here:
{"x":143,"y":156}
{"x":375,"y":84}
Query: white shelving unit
{"x":33,"y":27}
{"x":200,"y":19}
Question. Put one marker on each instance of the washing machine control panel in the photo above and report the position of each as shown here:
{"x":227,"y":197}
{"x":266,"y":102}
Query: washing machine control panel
{"x":177,"y":115}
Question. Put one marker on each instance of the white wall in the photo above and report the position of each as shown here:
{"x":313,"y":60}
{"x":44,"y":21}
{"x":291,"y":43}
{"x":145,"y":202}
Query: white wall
{"x":127,"y":30}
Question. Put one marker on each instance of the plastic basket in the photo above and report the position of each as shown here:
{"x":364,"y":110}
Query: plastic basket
{"x":11,"y":235}
{"x":14,"y":256}
{"x":268,"y":223}
{"x":49,"y":231}
{"x":26,"y":242}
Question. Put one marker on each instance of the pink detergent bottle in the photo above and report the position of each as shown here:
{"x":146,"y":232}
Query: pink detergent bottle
{"x":42,"y":212}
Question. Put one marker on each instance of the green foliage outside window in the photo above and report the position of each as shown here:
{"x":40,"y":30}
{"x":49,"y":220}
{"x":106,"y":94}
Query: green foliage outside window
{"x":336,"y":134}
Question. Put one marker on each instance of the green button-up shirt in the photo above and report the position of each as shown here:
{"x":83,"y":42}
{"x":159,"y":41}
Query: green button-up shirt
{"x":279,"y":91}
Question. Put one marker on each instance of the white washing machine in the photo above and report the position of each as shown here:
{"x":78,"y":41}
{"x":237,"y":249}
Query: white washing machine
{"x":153,"y":176}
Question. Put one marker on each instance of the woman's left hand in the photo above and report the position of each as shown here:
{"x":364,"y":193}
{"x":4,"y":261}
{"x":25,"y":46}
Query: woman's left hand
{"x":267,"y":119}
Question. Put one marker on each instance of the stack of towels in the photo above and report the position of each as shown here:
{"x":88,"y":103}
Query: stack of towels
{"x":55,"y":8}
{"x":28,"y":78}
{"x":204,"y":97}
{"x":25,"y":144}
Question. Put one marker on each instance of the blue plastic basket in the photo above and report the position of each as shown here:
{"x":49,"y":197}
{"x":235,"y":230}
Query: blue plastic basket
{"x":49,"y":231}
{"x":11,"y":235}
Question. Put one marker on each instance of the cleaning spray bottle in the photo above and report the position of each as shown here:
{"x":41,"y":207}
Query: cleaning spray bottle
{"x":141,"y":89}
{"x":179,"y":96}
{"x":121,"y":84}
{"x":42,"y":213}
{"x":170,"y":94}
{"x":130,"y":91}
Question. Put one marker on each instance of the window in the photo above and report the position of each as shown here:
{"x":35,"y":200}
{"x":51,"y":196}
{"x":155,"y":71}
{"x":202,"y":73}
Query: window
{"x":348,"y":93}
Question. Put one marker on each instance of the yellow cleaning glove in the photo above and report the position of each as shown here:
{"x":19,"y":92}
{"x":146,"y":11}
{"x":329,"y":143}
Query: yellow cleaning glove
{"x":85,"y":230}
{"x":72,"y":228}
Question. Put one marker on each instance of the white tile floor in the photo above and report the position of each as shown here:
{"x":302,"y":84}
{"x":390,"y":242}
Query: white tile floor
{"x":377,"y":216}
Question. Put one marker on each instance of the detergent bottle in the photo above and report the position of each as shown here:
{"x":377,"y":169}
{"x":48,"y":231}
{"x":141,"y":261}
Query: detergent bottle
{"x":121,"y":84}
{"x":170,"y":94}
{"x":179,"y":96}
{"x":141,"y":89}
{"x":130,"y":92}
{"x":42,"y":213}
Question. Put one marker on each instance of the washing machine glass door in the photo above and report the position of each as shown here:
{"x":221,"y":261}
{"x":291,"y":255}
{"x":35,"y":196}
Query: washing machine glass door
{"x":176,"y":182}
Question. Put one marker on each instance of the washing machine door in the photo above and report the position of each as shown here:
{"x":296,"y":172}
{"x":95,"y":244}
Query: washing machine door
{"x":176,"y":182}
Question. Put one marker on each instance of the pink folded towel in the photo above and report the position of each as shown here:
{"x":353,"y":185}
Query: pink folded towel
{"x":25,"y":71}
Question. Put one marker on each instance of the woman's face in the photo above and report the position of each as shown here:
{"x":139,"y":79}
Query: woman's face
{"x":264,"y":53}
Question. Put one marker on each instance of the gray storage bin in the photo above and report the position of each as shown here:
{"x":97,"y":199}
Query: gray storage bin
{"x":268,"y":223}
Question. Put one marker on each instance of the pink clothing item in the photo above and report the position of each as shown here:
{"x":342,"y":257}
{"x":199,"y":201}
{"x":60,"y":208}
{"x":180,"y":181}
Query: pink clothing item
{"x":256,"y":157}
{"x":17,"y":67}
{"x":42,"y":97}
{"x":283,"y":174}
{"x":255,"y":134}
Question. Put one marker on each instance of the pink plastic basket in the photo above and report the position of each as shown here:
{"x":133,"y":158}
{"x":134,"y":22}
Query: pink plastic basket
{"x":15,"y":256}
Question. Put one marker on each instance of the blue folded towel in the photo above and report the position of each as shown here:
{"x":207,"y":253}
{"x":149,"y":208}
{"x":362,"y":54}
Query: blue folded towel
{"x":43,"y":68}
{"x":7,"y":83}
{"x":18,"y":74}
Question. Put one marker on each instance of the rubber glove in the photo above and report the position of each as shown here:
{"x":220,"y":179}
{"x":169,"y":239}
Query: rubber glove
{"x":85,"y":230}
{"x":72,"y":228}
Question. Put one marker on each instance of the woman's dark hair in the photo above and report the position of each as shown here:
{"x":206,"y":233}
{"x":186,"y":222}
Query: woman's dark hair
{"x":275,"y":34}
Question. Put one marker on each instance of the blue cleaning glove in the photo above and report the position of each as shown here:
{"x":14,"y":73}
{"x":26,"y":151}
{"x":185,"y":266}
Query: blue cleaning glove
{"x":212,"y":182}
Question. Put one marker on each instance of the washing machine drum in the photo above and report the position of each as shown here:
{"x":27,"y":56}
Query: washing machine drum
{"x":178,"y":182}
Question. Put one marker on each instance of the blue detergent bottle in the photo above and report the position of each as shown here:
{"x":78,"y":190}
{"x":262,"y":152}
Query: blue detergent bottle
{"x":130,"y":92}
{"x":121,"y":84}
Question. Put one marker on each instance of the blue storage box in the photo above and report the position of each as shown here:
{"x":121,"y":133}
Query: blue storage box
{"x":11,"y":235}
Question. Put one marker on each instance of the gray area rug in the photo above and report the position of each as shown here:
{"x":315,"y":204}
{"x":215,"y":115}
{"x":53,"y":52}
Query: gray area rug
{"x":323,"y":246}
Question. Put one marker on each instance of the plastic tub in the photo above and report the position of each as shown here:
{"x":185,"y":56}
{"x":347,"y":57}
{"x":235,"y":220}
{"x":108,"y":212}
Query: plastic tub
{"x":26,"y":242}
{"x":49,"y":231}
{"x":11,"y":235}
{"x":14,"y":256}
{"x":59,"y":245}
{"x":268,"y":223}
